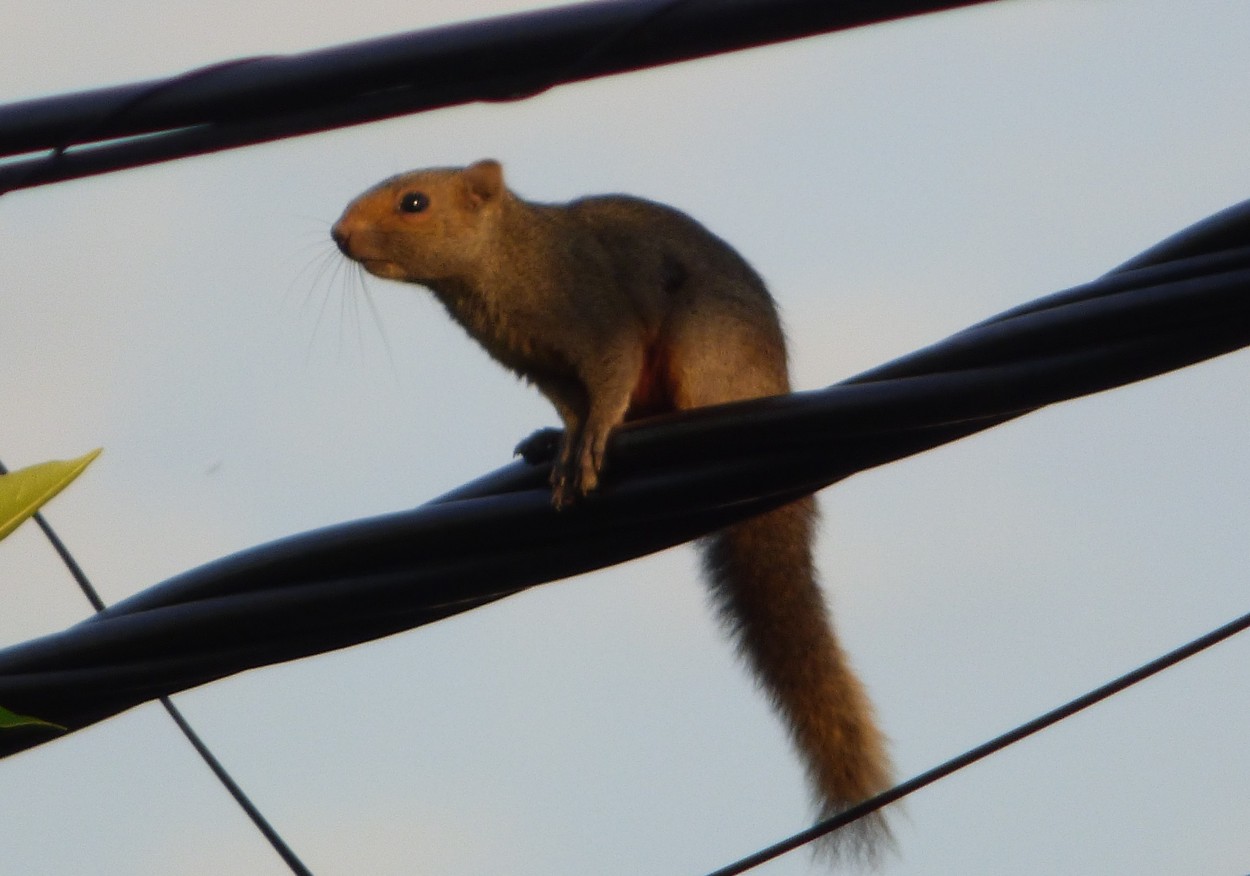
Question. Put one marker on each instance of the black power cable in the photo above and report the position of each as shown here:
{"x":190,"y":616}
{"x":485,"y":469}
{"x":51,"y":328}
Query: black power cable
{"x":672,"y":479}
{"x":261,"y":99}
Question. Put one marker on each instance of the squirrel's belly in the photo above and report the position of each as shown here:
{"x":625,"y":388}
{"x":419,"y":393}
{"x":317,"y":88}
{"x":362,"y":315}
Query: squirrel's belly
{"x":653,"y":393}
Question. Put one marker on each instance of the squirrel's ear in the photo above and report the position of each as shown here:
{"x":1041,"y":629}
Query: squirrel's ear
{"x":484,"y":180}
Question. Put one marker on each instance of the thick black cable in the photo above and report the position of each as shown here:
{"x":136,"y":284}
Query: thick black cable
{"x":294,"y":864}
{"x":670,"y":480}
{"x":505,"y":58}
{"x":1023,"y":731}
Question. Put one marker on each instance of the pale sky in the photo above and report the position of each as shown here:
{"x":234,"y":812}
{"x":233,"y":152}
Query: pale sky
{"x":893,"y":185}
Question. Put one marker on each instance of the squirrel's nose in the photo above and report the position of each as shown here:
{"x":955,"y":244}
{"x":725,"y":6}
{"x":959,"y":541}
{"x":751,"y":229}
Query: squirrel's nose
{"x":341,"y":237}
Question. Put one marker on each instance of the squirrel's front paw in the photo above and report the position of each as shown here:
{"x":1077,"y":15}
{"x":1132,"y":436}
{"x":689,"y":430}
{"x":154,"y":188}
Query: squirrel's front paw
{"x":571,"y":480}
{"x":562,"y":494}
{"x":539,"y":447}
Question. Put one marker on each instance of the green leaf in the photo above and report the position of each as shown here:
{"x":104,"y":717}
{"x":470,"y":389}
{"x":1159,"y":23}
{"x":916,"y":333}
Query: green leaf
{"x":24,"y":492}
{"x":13,"y":719}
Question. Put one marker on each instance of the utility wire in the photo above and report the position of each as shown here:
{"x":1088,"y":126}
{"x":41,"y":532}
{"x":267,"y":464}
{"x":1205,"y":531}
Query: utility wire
{"x":504,"y":58}
{"x":984,"y":750}
{"x":672,"y":480}
{"x":279,"y":845}
{"x":240,"y":797}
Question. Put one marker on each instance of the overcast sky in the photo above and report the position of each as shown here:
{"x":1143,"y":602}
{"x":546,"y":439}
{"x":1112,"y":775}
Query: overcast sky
{"x":893,"y":185}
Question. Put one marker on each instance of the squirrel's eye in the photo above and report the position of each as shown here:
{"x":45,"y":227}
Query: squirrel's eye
{"x":414,"y":202}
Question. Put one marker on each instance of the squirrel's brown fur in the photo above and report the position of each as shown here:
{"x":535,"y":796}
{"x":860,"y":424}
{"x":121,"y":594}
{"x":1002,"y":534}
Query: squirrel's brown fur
{"x":617,"y":308}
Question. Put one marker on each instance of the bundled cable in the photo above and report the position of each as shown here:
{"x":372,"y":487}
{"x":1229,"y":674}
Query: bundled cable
{"x":255,"y":100}
{"x":670,"y":479}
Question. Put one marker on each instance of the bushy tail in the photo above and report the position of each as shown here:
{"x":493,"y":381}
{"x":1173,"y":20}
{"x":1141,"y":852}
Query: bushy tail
{"x":763,"y":580}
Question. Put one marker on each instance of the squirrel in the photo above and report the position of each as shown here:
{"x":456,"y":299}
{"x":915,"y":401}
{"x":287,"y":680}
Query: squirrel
{"x":617,"y":308}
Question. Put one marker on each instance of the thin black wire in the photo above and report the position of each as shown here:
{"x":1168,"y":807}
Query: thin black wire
{"x":80,"y":577}
{"x":280,"y":846}
{"x":240,"y":797}
{"x":984,"y":750}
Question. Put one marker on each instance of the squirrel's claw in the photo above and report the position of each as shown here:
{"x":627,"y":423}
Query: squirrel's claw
{"x":574,"y":474}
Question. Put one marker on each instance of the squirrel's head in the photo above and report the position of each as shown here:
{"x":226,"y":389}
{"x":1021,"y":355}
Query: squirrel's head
{"x":424,"y":226}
